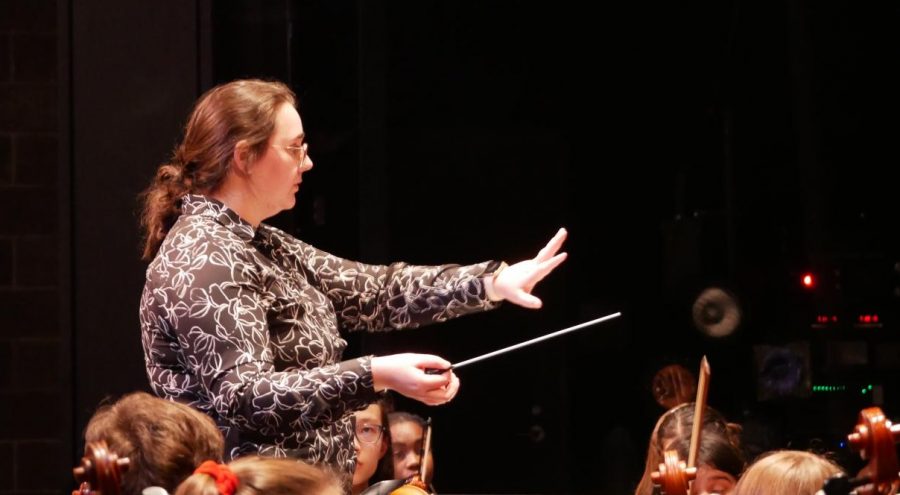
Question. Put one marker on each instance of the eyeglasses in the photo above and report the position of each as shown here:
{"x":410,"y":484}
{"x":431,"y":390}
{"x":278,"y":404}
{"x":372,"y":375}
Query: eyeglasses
{"x":298,"y":153}
{"x":369,"y":433}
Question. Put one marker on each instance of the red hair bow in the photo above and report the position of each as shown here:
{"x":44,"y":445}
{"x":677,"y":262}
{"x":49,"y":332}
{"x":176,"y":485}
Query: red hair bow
{"x":226,"y":480}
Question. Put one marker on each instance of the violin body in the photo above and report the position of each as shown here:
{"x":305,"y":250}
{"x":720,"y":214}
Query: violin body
{"x":414,"y":486}
{"x":410,"y":490}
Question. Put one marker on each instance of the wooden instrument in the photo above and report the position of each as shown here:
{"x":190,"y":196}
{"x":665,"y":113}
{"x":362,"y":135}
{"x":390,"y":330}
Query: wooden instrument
{"x":417,"y":485}
{"x":674,"y":476}
{"x":100,"y":471}
{"x":873,"y":438}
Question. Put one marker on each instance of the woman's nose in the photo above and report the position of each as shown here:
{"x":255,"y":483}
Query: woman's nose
{"x":307,"y":164}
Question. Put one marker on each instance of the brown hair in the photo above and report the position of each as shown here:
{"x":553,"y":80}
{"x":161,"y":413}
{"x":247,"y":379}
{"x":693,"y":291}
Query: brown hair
{"x":791,"y":472}
{"x":676,"y":424}
{"x":717,"y":450}
{"x":257,"y":475}
{"x":164,"y":441}
{"x":385,"y":469}
{"x":223,"y":116}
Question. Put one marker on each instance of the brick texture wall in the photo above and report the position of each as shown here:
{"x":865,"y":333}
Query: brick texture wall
{"x":31,"y":395}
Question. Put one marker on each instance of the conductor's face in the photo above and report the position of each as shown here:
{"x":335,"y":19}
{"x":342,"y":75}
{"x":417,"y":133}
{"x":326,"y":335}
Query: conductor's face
{"x":276,"y":175}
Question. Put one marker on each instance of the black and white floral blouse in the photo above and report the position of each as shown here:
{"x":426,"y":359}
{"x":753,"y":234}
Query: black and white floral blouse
{"x":243,"y":323}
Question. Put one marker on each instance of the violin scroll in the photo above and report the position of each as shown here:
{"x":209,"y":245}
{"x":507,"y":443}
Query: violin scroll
{"x":874,"y":438}
{"x":673,"y":477}
{"x":100,"y":471}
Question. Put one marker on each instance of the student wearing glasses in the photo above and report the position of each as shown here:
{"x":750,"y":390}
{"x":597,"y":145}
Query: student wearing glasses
{"x":373,"y":447}
{"x":244,"y":321}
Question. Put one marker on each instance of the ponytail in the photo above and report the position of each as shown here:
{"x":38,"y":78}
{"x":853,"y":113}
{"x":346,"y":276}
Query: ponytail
{"x":239,"y":110}
{"x":162,"y":204}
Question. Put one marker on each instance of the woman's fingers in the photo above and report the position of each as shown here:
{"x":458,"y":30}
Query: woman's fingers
{"x":545,"y":267}
{"x":443,"y":394}
{"x":553,"y":246}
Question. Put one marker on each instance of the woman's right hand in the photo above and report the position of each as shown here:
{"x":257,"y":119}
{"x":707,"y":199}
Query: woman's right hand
{"x":405,"y":374}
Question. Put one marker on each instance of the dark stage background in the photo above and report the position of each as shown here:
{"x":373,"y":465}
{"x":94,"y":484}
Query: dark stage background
{"x":683,"y":144}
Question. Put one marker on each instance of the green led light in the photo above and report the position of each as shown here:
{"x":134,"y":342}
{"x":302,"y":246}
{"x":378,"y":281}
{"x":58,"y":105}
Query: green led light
{"x":870,"y":386}
{"x":838,"y":388}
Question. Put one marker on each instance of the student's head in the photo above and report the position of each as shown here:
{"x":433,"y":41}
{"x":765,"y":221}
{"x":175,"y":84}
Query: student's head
{"x":675,"y":426}
{"x":719,"y":462}
{"x":163,"y":440}
{"x":373,"y":446}
{"x":786,"y":472}
{"x":407,"y":437}
{"x":258,"y":475}
{"x":245,"y":135}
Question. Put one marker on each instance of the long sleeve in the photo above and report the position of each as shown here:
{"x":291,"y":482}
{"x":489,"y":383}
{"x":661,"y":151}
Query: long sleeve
{"x":376,"y":297}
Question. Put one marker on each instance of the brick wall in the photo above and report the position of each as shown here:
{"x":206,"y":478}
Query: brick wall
{"x":32,"y":405}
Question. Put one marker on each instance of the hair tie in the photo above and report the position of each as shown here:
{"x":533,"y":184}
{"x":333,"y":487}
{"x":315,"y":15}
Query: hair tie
{"x":226,"y":480}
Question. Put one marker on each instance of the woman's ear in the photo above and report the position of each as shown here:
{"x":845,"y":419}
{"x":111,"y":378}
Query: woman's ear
{"x":242,"y":157}
{"x":384,"y":447}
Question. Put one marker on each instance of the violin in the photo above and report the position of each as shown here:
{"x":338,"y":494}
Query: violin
{"x":417,"y":484}
{"x":100,"y":471}
{"x":873,"y":438}
{"x":674,"y":477}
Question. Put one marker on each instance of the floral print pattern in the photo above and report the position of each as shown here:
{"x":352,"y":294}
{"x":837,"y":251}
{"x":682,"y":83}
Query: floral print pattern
{"x":244,"y":324}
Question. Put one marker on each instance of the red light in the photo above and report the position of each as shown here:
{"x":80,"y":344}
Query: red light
{"x":834,"y":318}
{"x":808,"y":281}
{"x":875,"y":318}
{"x":867,"y":319}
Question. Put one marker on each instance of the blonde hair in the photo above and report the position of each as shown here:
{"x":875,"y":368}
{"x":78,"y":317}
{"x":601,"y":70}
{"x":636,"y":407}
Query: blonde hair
{"x":788,"y":472}
{"x":676,"y":424}
{"x":223,"y":116}
{"x":163,"y":440}
{"x":270,"y":476}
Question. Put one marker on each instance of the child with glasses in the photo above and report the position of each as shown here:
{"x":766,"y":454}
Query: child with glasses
{"x":373,"y":447}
